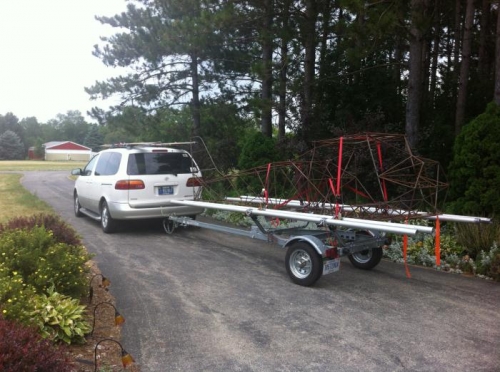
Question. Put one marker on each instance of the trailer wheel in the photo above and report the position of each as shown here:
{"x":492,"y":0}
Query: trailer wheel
{"x":366,"y":259}
{"x":303,"y":264}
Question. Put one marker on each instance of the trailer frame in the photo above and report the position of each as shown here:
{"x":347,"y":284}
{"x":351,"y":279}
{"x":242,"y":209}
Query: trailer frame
{"x":312,"y":251}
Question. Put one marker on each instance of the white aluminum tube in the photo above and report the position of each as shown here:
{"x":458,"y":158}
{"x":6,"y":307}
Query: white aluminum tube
{"x":458,"y":218}
{"x":422,"y":229}
{"x":362,"y":224}
{"x":397,"y":212}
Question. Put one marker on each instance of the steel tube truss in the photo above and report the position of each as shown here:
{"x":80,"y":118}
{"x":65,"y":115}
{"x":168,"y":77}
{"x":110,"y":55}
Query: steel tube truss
{"x":371,"y":176}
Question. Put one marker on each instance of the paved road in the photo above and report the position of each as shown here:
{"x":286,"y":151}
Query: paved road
{"x":204,"y":301}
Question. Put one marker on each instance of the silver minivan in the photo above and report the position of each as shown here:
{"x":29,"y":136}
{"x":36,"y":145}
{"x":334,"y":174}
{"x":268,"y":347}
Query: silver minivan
{"x":130,"y":182}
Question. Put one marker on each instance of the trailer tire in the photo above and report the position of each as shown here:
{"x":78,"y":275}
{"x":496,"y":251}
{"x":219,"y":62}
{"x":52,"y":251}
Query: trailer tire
{"x":366,"y":259}
{"x":303,"y":264}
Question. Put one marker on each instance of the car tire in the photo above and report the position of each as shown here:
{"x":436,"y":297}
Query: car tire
{"x":77,"y":206}
{"x":108,"y":224}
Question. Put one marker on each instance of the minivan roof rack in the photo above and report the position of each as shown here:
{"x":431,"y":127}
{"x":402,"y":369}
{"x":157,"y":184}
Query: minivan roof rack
{"x":145,"y":144}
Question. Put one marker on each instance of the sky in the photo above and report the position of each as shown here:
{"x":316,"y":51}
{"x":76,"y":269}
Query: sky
{"x":46,"y":56}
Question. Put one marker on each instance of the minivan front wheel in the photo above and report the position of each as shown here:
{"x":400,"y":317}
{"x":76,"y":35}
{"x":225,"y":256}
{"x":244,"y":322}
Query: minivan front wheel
{"x":108,"y":224}
{"x":77,"y":205}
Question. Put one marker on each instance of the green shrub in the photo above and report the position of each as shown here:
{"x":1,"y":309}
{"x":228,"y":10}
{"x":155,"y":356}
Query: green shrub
{"x":61,"y":231}
{"x":467,"y":265}
{"x":22,"y":349}
{"x":448,"y":246}
{"x":494,"y":271}
{"x":15,"y":295}
{"x":40,"y":260}
{"x":59,"y":317}
{"x":488,"y":262}
{"x":474,"y":173}
{"x":477,"y":237}
{"x":258,"y":150}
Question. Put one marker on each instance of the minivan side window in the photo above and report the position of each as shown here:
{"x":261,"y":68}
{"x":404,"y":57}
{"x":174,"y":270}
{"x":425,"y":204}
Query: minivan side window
{"x":108,"y":164}
{"x":87,"y":171}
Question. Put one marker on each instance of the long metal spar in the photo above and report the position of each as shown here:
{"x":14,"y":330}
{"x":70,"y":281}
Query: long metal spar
{"x":309,"y":217}
{"x":293,"y":203}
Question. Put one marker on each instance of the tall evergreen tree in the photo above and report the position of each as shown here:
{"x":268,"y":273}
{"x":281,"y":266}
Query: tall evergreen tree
{"x":167,"y":44}
{"x":93,"y":138}
{"x":11,"y":147}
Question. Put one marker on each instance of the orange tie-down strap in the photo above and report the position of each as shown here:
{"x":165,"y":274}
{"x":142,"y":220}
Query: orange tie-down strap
{"x":437,"y":247}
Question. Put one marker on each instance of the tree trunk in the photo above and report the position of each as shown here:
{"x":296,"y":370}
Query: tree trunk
{"x":309,"y":37}
{"x":464,"y":67}
{"x":267,"y":75}
{"x":283,"y":73}
{"x":484,"y":30}
{"x":414,"y":102}
{"x":456,"y":45}
{"x":195,"y":102}
{"x":434,"y":55}
{"x":325,"y":32}
{"x":497,"y":62}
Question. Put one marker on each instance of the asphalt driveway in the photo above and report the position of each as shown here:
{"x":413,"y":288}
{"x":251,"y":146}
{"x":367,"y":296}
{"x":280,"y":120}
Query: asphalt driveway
{"x":199,"y":300}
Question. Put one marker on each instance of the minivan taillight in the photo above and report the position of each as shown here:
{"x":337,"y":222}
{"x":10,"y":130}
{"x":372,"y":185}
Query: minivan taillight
{"x":193,"y":182}
{"x":129,"y":185}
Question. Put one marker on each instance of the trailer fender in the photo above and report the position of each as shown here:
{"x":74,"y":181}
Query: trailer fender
{"x":312,"y":240}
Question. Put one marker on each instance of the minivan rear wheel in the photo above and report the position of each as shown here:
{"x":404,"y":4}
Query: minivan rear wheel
{"x":108,"y":224}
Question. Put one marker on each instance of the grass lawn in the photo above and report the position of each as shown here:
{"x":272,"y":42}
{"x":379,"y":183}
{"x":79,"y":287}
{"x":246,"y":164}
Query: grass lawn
{"x":16,"y":201}
{"x":38,"y":165}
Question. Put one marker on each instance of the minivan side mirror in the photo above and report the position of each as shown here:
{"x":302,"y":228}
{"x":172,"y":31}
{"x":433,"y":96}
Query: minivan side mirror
{"x":76,"y":172}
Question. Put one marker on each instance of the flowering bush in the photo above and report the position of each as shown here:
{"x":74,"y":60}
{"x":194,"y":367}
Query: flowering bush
{"x":15,"y":295}
{"x":41,"y":261}
{"x":41,"y":282}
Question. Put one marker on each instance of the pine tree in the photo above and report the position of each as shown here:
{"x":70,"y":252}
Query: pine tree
{"x":11,"y":147}
{"x":94,"y":138}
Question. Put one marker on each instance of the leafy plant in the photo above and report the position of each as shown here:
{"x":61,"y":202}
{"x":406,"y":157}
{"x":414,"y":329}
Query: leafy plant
{"x":22,"y":349}
{"x":467,"y":265}
{"x":474,"y":173}
{"x":258,"y":150}
{"x":15,"y":295}
{"x":488,"y":262}
{"x":59,"y":317}
{"x":494,"y":271}
{"x":61,"y":231}
{"x":477,"y":237}
{"x":40,"y":260}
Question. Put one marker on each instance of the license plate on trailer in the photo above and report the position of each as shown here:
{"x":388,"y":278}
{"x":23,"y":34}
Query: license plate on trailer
{"x":165,"y":190}
{"x":331,"y":266}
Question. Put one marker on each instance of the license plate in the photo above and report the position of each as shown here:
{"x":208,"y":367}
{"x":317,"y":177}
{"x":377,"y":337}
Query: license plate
{"x":331,"y":266}
{"x":165,"y":190}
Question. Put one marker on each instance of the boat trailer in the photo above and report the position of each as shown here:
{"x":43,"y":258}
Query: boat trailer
{"x":312,"y":251}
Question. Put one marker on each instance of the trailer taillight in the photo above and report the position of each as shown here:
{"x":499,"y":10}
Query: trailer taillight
{"x":193,"y":182}
{"x":129,"y":185}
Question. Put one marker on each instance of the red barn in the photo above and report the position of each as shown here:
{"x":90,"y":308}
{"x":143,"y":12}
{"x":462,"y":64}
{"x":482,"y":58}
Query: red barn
{"x":66,"y":150}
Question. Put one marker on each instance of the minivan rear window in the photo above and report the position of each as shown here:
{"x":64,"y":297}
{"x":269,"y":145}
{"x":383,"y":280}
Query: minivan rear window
{"x":159,"y":163}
